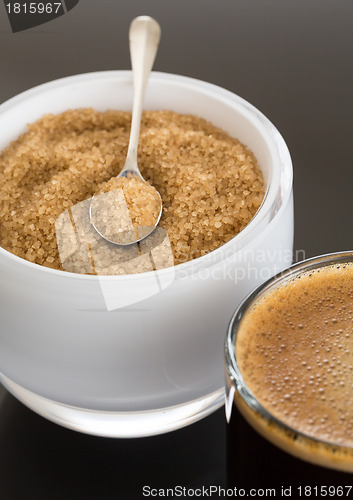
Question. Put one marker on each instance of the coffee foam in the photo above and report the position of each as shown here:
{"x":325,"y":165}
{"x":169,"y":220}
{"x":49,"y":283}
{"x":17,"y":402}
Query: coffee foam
{"x":294,"y":349}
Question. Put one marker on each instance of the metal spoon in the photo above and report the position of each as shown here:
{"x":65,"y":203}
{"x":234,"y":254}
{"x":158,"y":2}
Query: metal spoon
{"x":108,"y":212}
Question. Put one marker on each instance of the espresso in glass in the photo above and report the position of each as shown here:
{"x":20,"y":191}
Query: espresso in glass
{"x":289,"y":365}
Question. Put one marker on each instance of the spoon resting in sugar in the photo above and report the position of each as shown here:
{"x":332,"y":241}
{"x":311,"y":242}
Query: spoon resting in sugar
{"x":127,"y":209}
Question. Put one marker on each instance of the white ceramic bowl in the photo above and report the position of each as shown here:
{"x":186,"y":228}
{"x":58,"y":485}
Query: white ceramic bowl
{"x":138,"y":355}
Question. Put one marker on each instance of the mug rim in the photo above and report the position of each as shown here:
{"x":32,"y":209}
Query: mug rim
{"x":231,"y":366}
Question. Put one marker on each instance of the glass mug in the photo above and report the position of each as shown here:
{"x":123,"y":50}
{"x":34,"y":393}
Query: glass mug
{"x":263,"y":450}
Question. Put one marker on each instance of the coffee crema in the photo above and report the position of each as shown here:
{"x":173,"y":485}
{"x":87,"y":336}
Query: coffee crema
{"x":294,"y":349}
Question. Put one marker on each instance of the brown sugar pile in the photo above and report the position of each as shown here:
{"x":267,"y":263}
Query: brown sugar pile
{"x":210,"y":183}
{"x":125,"y":207}
{"x":142,"y":199}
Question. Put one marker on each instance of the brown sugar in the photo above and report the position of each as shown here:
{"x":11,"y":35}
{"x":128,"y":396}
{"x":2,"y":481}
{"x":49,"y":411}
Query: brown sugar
{"x":125,"y":207}
{"x":210,"y":184}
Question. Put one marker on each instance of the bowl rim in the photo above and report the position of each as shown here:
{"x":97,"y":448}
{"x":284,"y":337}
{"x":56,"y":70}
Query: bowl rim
{"x":275,"y":141}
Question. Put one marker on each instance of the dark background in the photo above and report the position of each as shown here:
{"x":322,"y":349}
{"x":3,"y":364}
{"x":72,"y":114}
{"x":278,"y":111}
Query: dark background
{"x":292,"y":59}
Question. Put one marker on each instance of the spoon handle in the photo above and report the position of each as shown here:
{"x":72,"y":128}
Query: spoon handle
{"x":144,"y":38}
